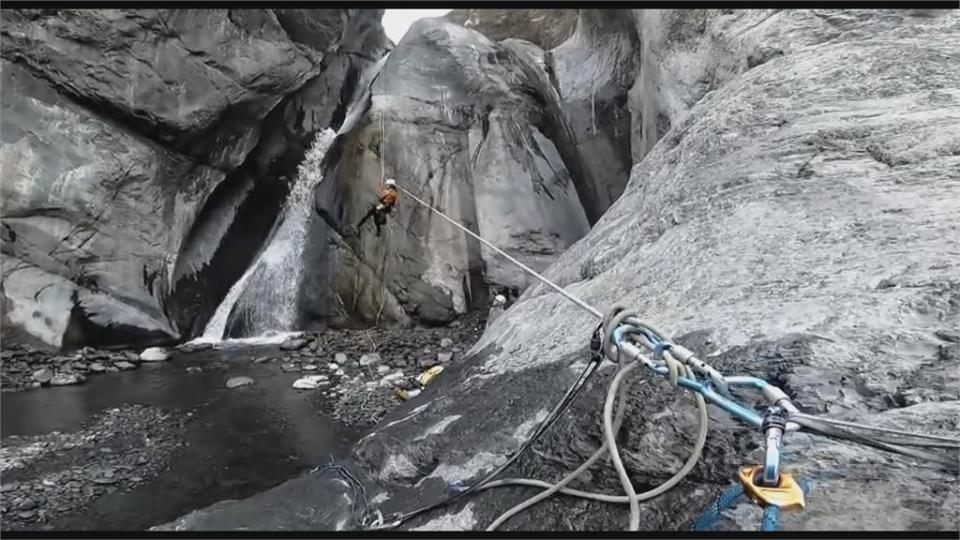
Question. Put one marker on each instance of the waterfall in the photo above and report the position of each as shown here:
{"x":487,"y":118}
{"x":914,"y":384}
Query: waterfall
{"x":265,"y":297}
{"x":268,"y":289}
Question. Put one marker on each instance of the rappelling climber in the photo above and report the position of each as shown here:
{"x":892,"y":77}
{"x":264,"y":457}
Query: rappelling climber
{"x":388,"y":198}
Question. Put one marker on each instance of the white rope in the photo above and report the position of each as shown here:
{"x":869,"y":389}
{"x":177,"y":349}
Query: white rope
{"x":383,"y":137}
{"x":611,"y":427}
{"x":592,"y":310}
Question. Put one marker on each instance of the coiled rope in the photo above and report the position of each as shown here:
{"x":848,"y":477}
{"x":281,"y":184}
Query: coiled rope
{"x":621,"y":327}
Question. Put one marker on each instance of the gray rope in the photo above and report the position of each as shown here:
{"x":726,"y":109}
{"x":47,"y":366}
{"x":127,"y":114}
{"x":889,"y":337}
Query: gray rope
{"x":592,"y":310}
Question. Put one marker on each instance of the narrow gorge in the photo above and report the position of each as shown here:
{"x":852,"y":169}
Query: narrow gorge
{"x":775,"y":189}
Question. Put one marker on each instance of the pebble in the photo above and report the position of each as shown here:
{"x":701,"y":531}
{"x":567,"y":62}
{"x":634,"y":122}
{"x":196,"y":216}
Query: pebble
{"x":289,"y":366}
{"x":340,"y":358}
{"x":154,"y":354}
{"x":293,"y":344}
{"x":446,"y":343}
{"x":124,"y":365}
{"x":194,"y":369}
{"x":310,"y":367}
{"x":42,"y":376}
{"x":392,"y":378}
{"x":369,"y":359}
{"x":236,"y":382}
{"x":262,"y":360}
{"x":80,"y":366}
{"x":333,"y":366}
{"x":26,"y":514}
{"x":444,"y":357}
{"x":65,"y":379}
{"x":27,"y":504}
{"x":383,"y":370}
{"x":310,"y":382}
{"x":112,"y":369}
{"x":97,"y":367}
{"x":7,"y":488}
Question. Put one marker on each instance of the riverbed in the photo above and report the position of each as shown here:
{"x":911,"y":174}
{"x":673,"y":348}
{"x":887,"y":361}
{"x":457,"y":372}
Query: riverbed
{"x":133,"y":449}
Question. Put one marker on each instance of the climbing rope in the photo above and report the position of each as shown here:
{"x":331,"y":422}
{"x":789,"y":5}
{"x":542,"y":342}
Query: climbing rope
{"x":628,"y":341}
{"x":458,"y":492}
{"x":359,"y":505}
{"x":729,"y":499}
{"x":593,"y":311}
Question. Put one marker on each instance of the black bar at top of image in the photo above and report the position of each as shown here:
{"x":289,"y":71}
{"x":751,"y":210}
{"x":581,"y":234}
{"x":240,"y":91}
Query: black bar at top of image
{"x":485,"y":4}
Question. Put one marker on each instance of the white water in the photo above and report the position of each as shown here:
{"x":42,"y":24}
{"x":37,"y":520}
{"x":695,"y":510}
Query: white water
{"x":273,"y":307}
{"x":273,"y":280}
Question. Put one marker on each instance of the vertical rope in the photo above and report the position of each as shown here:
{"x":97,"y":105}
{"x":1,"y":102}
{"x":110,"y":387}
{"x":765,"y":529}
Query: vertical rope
{"x":383,"y":137}
{"x":383,"y":179}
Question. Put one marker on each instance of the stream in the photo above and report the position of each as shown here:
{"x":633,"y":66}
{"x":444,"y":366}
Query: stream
{"x":219,"y":444}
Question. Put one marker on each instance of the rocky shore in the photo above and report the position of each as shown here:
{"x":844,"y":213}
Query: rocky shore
{"x":51,"y":478}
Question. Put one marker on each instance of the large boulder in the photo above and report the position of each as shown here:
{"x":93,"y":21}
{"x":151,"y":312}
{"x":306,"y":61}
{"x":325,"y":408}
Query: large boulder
{"x":133,"y":143}
{"x":194,"y":79}
{"x":90,"y":213}
{"x":458,"y":121}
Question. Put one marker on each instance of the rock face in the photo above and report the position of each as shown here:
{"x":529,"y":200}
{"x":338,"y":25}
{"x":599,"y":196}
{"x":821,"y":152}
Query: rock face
{"x":519,"y":144}
{"x":132,"y":143}
{"x":789,"y":216}
{"x":795,"y":222}
{"x":594,"y":71}
{"x":545,"y":28}
{"x":460,"y":122}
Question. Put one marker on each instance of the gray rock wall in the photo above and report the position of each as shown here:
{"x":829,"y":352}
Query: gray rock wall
{"x":463,"y":130}
{"x":795,"y":223}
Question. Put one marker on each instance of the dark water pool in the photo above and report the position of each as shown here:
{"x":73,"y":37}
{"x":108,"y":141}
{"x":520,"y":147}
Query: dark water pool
{"x":239,"y":442}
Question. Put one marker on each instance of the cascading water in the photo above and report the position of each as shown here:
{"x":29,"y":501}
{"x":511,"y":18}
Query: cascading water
{"x":269,"y":286}
{"x":265,"y":297}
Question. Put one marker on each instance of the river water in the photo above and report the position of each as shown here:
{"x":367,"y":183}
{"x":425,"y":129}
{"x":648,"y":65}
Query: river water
{"x":237,"y":442}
